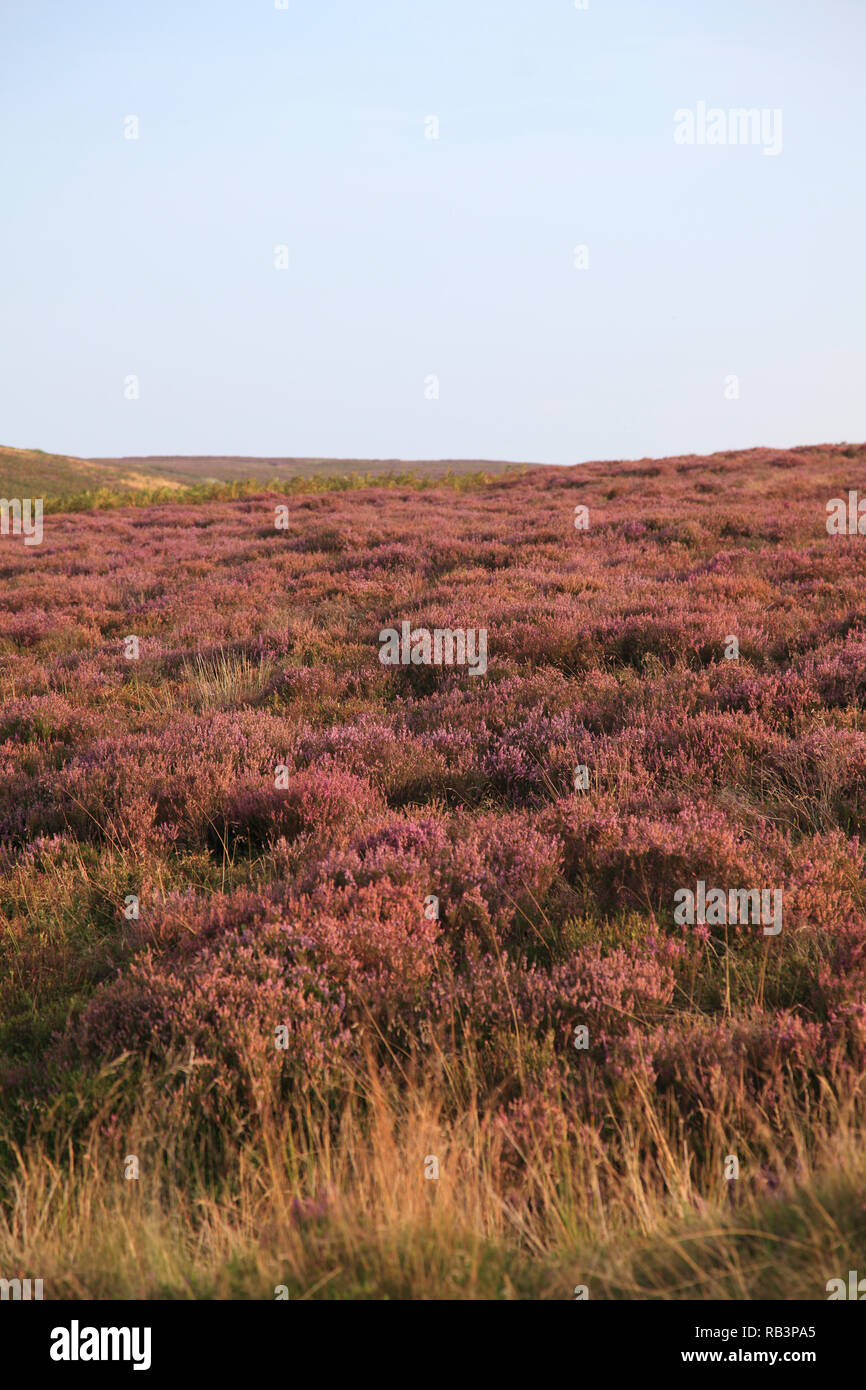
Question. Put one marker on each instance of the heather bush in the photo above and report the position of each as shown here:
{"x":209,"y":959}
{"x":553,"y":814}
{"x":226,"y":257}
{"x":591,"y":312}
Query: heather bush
{"x":426,"y":899}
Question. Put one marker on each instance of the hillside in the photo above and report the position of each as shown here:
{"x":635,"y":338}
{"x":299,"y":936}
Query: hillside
{"x":381,"y":966}
{"x":33,"y":473}
{"x":55,"y":477}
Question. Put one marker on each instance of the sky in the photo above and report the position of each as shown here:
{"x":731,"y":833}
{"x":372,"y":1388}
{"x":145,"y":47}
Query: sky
{"x":428,"y":169}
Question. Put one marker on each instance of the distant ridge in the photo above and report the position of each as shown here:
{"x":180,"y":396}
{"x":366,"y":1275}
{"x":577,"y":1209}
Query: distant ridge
{"x":65,"y":480}
{"x":226,"y":467}
{"x":25,"y":471}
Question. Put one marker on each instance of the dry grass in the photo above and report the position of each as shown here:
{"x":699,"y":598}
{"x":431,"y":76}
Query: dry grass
{"x":345,"y":1211}
{"x":225,"y":680}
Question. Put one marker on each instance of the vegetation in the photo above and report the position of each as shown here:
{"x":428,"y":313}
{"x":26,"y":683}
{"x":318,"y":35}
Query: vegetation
{"x":218,"y":953}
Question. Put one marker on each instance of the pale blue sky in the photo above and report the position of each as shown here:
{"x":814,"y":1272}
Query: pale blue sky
{"x":410,"y":257}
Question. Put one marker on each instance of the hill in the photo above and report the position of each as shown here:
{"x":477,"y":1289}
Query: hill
{"x":33,"y":473}
{"x":401,"y":976}
{"x":111,"y":481}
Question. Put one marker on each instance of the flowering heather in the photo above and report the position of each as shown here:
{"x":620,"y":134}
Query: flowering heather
{"x":251,"y":851}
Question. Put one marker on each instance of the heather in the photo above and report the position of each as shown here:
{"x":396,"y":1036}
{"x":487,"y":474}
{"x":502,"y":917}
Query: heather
{"x":394,"y":866}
